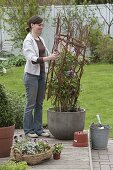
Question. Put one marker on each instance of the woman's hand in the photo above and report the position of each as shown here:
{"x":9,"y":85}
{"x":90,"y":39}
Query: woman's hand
{"x":54,"y":55}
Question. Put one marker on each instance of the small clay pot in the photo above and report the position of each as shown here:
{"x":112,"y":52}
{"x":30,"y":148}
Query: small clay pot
{"x":56,"y":156}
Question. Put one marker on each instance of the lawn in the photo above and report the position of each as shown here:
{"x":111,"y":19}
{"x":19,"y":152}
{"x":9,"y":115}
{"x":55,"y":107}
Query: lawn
{"x":96,"y":92}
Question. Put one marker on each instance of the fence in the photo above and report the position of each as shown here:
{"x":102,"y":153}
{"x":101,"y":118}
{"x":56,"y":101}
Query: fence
{"x":49,"y":30}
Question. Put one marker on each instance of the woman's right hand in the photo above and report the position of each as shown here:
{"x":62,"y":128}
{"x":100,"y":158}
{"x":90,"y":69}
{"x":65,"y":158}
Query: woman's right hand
{"x":54,"y":55}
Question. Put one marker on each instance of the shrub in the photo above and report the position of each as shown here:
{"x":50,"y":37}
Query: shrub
{"x":11,"y":108}
{"x":11,"y":165}
{"x":7,"y":117}
{"x":12,"y":62}
{"x":18,"y":102}
{"x":20,"y":62}
{"x":104,"y":49}
{"x":16,"y":61}
{"x":94,"y":38}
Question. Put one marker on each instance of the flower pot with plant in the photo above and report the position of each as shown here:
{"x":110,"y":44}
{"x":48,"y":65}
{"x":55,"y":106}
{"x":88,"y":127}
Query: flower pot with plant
{"x":64,"y":80}
{"x":7,"y":123}
{"x":56,"y":150}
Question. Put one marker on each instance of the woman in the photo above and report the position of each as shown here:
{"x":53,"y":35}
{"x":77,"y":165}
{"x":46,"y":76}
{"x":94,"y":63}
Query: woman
{"x":37,"y":56}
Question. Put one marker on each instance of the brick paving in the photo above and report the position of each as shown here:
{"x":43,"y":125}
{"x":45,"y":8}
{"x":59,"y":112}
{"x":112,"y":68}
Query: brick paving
{"x":78,"y":158}
{"x":103,"y":159}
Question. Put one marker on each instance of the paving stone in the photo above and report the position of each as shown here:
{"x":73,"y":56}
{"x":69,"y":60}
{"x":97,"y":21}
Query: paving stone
{"x":105,"y":167}
{"x":111,"y":158}
{"x":102,"y":151}
{"x":95,"y":158}
{"x":78,"y":158}
{"x":106,"y":163}
{"x":4,"y":159}
{"x":69,"y":166}
{"x":104,"y":157}
{"x":95,"y":154}
{"x":96,"y":164}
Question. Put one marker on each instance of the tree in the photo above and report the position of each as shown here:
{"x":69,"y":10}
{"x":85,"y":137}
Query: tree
{"x":109,"y":23}
{"x":16,"y":13}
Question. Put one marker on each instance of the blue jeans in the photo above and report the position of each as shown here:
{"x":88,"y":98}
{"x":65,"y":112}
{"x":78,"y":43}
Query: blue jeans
{"x":35,"y":91}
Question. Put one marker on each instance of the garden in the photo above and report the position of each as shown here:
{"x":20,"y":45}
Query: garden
{"x":95,"y":97}
{"x":80,"y":81}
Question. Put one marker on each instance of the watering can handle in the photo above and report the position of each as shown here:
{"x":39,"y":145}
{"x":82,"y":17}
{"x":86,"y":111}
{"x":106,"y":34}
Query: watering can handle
{"x":98,"y":118}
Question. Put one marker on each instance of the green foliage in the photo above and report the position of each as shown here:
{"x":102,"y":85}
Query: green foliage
{"x":65,"y":80}
{"x":85,"y":19}
{"x":11,"y":108}
{"x":104,"y":49}
{"x":93,"y":40}
{"x":7,"y":117}
{"x":57,"y":148}
{"x":11,"y":165}
{"x":17,"y":17}
{"x":6,"y":54}
{"x":76,"y":24}
{"x":68,"y":2}
{"x":20,"y":62}
{"x":100,"y":45}
{"x":17,"y":102}
{"x":96,"y":92}
{"x":13,"y":80}
{"x":16,"y":61}
{"x":31,"y":147}
{"x":11,"y":62}
{"x":82,"y":17}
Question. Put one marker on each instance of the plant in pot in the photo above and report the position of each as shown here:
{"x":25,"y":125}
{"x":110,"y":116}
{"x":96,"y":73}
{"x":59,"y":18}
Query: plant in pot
{"x":64,"y":80}
{"x":56,"y":150}
{"x":32,"y":151}
{"x":7,"y":123}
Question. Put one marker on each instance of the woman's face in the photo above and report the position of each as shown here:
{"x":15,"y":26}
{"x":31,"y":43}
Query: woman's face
{"x":37,"y":28}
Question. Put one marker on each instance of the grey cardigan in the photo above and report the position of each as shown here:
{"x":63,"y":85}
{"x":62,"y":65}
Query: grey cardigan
{"x":31,"y":53}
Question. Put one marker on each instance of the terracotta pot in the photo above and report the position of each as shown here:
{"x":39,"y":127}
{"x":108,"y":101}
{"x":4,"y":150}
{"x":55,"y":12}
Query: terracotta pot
{"x":6,"y":140}
{"x":56,"y":156}
{"x":80,"y":139}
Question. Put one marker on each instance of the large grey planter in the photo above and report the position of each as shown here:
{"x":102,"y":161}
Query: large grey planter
{"x":62,"y":125}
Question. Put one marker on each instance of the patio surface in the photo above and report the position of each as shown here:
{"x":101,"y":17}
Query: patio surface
{"x":78,"y":158}
{"x":103,"y":159}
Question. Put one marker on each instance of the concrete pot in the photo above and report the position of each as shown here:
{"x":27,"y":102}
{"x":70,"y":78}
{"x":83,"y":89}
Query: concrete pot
{"x":62,"y":125}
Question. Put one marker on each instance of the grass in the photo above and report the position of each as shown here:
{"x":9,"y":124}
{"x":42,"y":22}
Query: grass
{"x":13,"y":80}
{"x":96,"y":92}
